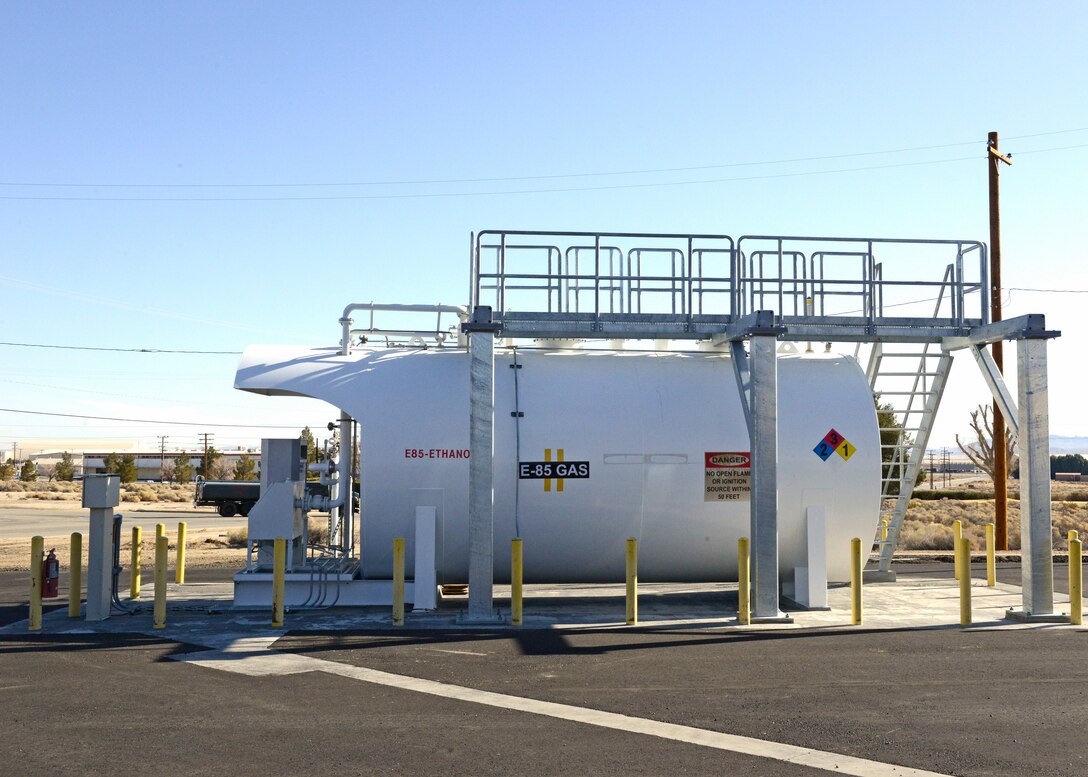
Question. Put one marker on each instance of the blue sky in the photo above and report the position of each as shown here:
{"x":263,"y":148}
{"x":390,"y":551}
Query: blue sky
{"x":174,"y":173}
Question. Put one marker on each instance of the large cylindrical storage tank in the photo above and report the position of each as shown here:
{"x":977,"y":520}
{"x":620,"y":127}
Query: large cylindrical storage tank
{"x":652,"y":445}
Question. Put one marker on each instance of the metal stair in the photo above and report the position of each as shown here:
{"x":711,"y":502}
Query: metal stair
{"x":909,"y":380}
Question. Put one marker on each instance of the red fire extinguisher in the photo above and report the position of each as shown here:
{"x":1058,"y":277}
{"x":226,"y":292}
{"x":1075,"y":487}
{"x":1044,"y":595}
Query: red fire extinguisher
{"x":50,"y":575}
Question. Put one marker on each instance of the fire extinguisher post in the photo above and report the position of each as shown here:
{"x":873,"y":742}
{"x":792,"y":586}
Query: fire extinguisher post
{"x":37,"y":552}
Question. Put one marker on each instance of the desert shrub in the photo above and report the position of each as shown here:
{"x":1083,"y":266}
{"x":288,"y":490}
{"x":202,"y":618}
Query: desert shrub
{"x":926,"y":536}
{"x":237,"y":538}
{"x":319,"y":534}
{"x":13,"y":486}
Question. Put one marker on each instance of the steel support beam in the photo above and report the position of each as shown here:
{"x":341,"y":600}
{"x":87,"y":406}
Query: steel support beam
{"x":1036,"y":540}
{"x":764,"y":442}
{"x":481,"y":486}
{"x":743,"y":372}
{"x":996,"y":382}
{"x":1032,"y":325}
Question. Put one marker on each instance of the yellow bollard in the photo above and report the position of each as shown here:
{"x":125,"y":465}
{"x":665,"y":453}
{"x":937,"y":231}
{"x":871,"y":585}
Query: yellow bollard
{"x":179,"y":562}
{"x":279,"y":573}
{"x":75,"y":575}
{"x":991,"y":561}
{"x":963,"y":557}
{"x":884,"y":531}
{"x":160,"y":582}
{"x":515,"y":582}
{"x":398,"y":581}
{"x":160,"y":531}
{"x":1075,"y":589}
{"x":855,"y":581}
{"x":37,"y":552}
{"x":134,"y":562}
{"x":744,"y":582}
{"x":1073,"y":535}
{"x":957,"y":535}
{"x":632,"y":581}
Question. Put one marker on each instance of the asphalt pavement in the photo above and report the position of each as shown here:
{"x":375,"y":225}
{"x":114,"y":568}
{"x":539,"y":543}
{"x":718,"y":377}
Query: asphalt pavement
{"x":985,"y":700}
{"x":19,"y":522}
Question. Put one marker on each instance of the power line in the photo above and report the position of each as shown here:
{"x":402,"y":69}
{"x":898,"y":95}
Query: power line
{"x":1048,"y":291}
{"x":118,"y":350}
{"x":552,"y":176}
{"x":429,"y":195}
{"x":562,"y":190}
{"x":147,"y":420}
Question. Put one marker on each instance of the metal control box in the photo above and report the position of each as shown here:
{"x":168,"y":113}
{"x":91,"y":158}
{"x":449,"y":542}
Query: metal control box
{"x":101,"y":491}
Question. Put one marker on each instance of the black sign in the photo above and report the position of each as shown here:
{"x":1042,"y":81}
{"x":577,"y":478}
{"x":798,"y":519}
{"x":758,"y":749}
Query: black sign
{"x":547,"y":470}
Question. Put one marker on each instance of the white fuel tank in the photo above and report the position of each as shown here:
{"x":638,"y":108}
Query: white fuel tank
{"x":593,"y":447}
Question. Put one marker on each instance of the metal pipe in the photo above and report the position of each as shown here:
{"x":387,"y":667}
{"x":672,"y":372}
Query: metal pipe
{"x":398,"y":581}
{"x":161,"y":545}
{"x":134,"y":563}
{"x":179,"y":564}
{"x":1075,"y":592}
{"x":279,"y":570}
{"x":632,"y":581}
{"x":515,"y":582}
{"x":37,"y":551}
{"x":75,"y":573}
{"x":855,"y":581}
{"x":991,"y":563}
{"x":744,"y":584}
{"x":957,"y":535}
{"x":963,"y":561}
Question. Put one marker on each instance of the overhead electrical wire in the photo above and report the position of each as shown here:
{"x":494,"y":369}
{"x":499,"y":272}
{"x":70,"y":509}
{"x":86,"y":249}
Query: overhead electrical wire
{"x":118,"y":350}
{"x":560,"y":190}
{"x":148,"y":420}
{"x":497,"y":179}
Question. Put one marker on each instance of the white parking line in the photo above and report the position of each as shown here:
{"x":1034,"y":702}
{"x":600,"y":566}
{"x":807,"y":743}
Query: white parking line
{"x":253,"y":658}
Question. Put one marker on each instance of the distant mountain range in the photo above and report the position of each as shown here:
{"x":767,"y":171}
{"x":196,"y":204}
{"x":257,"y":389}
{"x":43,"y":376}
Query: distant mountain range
{"x":1059,"y":444}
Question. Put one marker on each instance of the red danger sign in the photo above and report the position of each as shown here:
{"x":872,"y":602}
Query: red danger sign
{"x":729,"y":460}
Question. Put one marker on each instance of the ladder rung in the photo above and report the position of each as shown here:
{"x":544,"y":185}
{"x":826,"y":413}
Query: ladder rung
{"x":907,"y":374}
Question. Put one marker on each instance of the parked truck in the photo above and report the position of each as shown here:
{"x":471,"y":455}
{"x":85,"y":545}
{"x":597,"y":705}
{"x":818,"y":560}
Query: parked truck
{"x":229,"y":497}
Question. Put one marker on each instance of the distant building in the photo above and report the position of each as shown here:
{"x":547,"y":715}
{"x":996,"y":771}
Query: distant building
{"x":149,"y":464}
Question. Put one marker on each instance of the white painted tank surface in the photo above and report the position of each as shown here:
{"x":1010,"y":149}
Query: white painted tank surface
{"x":650,"y":444}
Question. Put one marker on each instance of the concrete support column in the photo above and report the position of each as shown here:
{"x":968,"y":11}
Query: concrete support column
{"x":763,"y":365}
{"x":1036,"y":541}
{"x":481,"y":490}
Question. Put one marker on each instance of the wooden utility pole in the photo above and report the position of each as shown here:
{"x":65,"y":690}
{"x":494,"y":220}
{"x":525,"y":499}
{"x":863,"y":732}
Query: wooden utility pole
{"x":205,"y":437}
{"x":162,"y":456}
{"x":1001,"y":464}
